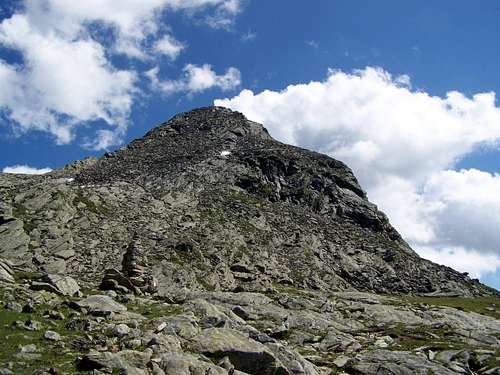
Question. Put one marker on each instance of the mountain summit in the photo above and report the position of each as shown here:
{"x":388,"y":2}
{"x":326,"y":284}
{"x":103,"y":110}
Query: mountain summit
{"x":228,"y":196}
{"x":208,"y":247}
{"x":218,"y":204}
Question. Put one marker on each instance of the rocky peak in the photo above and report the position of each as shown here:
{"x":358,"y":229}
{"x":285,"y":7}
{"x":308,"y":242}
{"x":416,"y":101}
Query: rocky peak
{"x":218,"y":122}
{"x":208,"y":247}
{"x":215,"y":202}
{"x":185,"y":140}
{"x":224,"y":144}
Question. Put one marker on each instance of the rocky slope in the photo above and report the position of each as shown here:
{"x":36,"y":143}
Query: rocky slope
{"x":221,"y":250}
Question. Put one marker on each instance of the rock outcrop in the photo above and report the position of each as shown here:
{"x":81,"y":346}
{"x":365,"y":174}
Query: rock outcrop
{"x":213,"y":203}
{"x":219,"y":250}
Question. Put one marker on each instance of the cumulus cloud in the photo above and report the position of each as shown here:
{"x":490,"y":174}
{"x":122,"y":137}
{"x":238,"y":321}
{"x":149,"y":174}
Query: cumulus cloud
{"x":465,"y":208}
{"x":61,"y":78}
{"x":196,"y":79}
{"x":25,"y":169}
{"x":66,"y":77}
{"x":402,"y":144}
{"x":133,"y":21}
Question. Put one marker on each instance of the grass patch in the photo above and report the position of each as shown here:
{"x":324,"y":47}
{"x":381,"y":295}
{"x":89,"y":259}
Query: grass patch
{"x":208,"y":287}
{"x":28,"y":226}
{"x":494,"y":361}
{"x":410,"y":338}
{"x":480,"y":305}
{"x":285,"y":289}
{"x":175,"y":260}
{"x":246,"y":198}
{"x":19,"y":211}
{"x":48,"y":354}
{"x":26,"y":275}
{"x":155,"y":310}
{"x":91,"y":206}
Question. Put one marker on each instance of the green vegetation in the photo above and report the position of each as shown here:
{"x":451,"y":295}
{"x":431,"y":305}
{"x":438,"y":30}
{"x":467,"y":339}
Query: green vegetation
{"x":175,"y":260}
{"x":155,"y":310}
{"x":494,"y":361}
{"x":207,"y":286}
{"x":28,"y":226}
{"x":49,"y":354}
{"x":18,"y":210}
{"x":246,"y":198}
{"x":91,"y":206}
{"x":284,"y":289}
{"x":26,"y":275}
{"x":489,"y":306}
{"x":409,"y":338}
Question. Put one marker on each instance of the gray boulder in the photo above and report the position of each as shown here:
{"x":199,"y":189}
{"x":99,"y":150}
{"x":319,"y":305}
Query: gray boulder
{"x":127,"y":361}
{"x":59,"y":284}
{"x":177,"y":364}
{"x":101,"y":304}
{"x":396,"y":362}
{"x":6,"y":273}
{"x":13,"y":240}
{"x":245,"y":354}
{"x":52,"y":336}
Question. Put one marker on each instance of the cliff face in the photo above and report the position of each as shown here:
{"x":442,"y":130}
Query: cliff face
{"x":216,"y":204}
{"x":207,"y":247}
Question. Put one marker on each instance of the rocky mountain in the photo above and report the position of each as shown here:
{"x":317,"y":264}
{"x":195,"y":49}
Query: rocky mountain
{"x":207,"y":247}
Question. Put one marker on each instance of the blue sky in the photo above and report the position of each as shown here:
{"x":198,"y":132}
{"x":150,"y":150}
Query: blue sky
{"x":382,"y":73}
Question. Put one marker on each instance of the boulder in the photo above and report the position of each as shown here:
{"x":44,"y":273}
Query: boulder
{"x":292,"y":362}
{"x":245,"y":354}
{"x":51,"y":336}
{"x":6,"y":273}
{"x":63,"y":285}
{"x":176,"y":364}
{"x":121,"y":330}
{"x":125,"y":361}
{"x":13,"y":240}
{"x":101,"y":304}
{"x":395,"y":362}
{"x":183,"y":325}
{"x":339,"y":342}
{"x":163,"y":344}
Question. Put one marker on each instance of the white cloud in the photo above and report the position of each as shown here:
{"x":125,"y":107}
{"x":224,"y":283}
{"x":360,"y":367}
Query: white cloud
{"x":61,"y":78}
{"x":133,"y":20}
{"x":66,"y":78}
{"x":105,"y":139}
{"x":196,"y":79}
{"x":224,"y":16}
{"x":461,"y":259}
{"x":169,"y":47}
{"x":402,"y":145}
{"x":465,"y":207}
{"x":248,"y":36}
{"x":313,"y":44}
{"x":24,"y":169}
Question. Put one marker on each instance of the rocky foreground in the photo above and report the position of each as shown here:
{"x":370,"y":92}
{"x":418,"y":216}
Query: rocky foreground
{"x":207,"y":247}
{"x":51,"y":326}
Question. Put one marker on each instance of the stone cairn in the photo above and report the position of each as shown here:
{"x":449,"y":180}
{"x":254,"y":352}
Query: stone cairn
{"x":135,"y":274}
